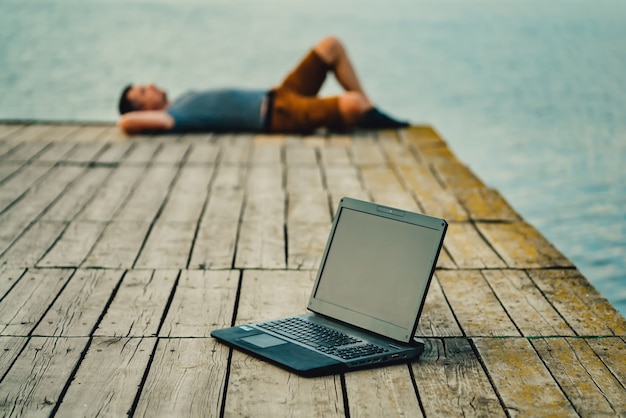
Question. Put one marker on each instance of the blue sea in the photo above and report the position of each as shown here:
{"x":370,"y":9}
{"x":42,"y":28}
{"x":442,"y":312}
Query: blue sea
{"x":530,"y":94}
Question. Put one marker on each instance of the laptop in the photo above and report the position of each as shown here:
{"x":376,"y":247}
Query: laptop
{"x":367,"y":297}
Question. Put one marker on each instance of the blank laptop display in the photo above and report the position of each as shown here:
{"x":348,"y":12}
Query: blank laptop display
{"x":368,"y":294}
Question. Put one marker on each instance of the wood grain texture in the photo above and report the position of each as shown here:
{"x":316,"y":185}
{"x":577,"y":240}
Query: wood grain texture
{"x":29,"y":299}
{"x":475,"y":305}
{"x":204,"y":301}
{"x":33,"y":244}
{"x":468,"y":249}
{"x":437,"y":318}
{"x":33,"y":385}
{"x":451,"y":382}
{"x":524,"y":384}
{"x":79,"y":307}
{"x":522,"y":246}
{"x":382,"y":392}
{"x":139,"y":304}
{"x":583,"y":377}
{"x":108,"y":377}
{"x":187,"y":378}
{"x":118,"y":246}
{"x":580,"y":304}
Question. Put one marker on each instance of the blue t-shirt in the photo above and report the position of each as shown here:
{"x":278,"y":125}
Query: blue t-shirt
{"x":227,"y":109}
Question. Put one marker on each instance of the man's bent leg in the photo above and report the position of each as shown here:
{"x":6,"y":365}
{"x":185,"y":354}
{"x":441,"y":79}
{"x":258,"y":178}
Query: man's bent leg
{"x":308,"y":76}
{"x":333,"y":53}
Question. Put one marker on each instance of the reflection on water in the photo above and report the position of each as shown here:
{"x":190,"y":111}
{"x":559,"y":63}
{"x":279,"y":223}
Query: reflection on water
{"x":529,"y":93}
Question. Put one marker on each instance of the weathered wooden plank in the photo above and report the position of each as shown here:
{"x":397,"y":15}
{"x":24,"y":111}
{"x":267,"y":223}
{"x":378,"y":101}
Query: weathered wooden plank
{"x":8,"y":277}
{"x":18,"y":184}
{"x":264,"y":179}
{"x":299,"y":155}
{"x":445,"y":261}
{"x":253,"y":382}
{"x":612,"y":352}
{"x":582,"y":376}
{"x":34,"y":132}
{"x":434,"y":199}
{"x":86,"y":152}
{"x":28,"y":300}
{"x":526,"y":305}
{"x":234,"y":148}
{"x":172,"y":153}
{"x":142,"y":152}
{"x":9,"y":129}
{"x":343,"y":181}
{"x":202,"y":153}
{"x":168,"y":245}
{"x":334,"y":153}
{"x":149,"y":195}
{"x":308,"y":206}
{"x":229,"y":176}
{"x":139,"y":304}
{"x":519,"y":376}
{"x":451,"y":382}
{"x":187,"y":198}
{"x":269,"y":295}
{"x":468,"y":249}
{"x":455,"y":175}
{"x":437,"y":319}
{"x":114,"y":134}
{"x":204,"y":301}
{"x":34,"y":384}
{"x":77,"y":310}
{"x":216,"y":238}
{"x":114,"y":152}
{"x":8,"y":169}
{"x":522,"y":246}
{"x":365,"y":151}
{"x":57,"y":151}
{"x":118,"y":246}
{"x":88,"y":133}
{"x":33,"y":244}
{"x":474,"y":304}
{"x":261,"y":241}
{"x":486,"y":204}
{"x":305,"y":244}
{"x":397,"y":153}
{"x":27,"y":150}
{"x":78,"y":195}
{"x":388,"y":392}
{"x":266,"y":152}
{"x":10,"y":347}
{"x":108,"y":377}
{"x":112,"y":194}
{"x":74,"y":245}
{"x":187,"y":378}
{"x":201,"y":138}
{"x":303,"y":179}
{"x":261,"y":245}
{"x":266,"y":295}
{"x":382,"y":180}
{"x":580,"y":304}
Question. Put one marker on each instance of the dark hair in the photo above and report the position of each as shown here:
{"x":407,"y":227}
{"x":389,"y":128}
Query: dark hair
{"x":125,"y":104}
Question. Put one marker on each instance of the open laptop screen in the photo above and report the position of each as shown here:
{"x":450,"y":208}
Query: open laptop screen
{"x":377,"y":269}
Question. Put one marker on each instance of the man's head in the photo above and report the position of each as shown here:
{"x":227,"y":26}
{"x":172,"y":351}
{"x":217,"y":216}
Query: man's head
{"x":142,"y":97}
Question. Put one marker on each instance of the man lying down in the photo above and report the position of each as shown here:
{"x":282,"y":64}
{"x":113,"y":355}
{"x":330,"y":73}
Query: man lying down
{"x":292,"y":107}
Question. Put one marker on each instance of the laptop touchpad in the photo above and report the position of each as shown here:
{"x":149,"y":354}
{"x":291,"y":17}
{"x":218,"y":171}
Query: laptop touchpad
{"x":263,"y":340}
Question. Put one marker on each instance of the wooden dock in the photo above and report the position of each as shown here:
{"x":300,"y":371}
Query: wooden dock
{"x":118,"y":257}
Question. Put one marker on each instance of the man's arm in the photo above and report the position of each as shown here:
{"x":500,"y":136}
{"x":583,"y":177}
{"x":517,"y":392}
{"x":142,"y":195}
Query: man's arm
{"x":146,"y":121}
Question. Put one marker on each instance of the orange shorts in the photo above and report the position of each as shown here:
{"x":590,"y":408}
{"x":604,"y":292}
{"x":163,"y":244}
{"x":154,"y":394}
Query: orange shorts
{"x":295,"y":106}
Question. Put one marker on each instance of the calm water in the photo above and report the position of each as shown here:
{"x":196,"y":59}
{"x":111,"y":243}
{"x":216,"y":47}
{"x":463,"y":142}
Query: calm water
{"x":531,"y":94}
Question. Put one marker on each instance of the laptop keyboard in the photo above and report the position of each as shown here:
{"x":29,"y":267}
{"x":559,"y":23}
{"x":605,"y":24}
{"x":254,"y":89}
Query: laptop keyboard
{"x":322,"y":338}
